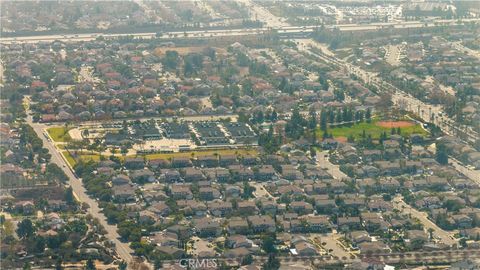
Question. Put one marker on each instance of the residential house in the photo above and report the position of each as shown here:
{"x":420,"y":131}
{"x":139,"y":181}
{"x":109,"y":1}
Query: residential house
{"x":171,"y":252}
{"x":123,"y":193}
{"x":262,"y":223}
{"x":318,"y":223}
{"x":171,"y":176}
{"x":237,"y":225}
{"x":134,"y":163}
{"x":357,"y":237}
{"x":220,"y":208}
{"x":191,"y":174}
{"x":207,"y":227}
{"x":208,"y":193}
{"x":301,"y":207}
{"x":181,"y":192}
{"x":348,"y":223}
{"x":265,"y":173}
{"x":237,"y":241}
{"x":305,"y":248}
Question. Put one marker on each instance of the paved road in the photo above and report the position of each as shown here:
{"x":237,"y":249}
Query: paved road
{"x":332,"y":169}
{"x":444,"y":236}
{"x":405,"y":258}
{"x":257,"y":12}
{"x":393,"y":53}
{"x":1,"y":73}
{"x":331,"y":241}
{"x":428,"y":112}
{"x":473,"y":175}
{"x":123,"y":250}
{"x":260,"y":191}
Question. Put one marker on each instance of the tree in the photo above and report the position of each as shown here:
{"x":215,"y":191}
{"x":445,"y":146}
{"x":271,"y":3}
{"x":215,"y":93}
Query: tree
{"x":463,"y":242}
{"x":430,"y":232}
{"x":323,"y":120}
{"x":210,"y":52}
{"x":272,"y":263}
{"x":274,"y":116}
{"x":171,"y":59}
{"x":313,"y":152}
{"x":124,"y":150}
{"x":268,"y":244}
{"x":368,"y":115}
{"x":69,"y":198}
{"x":294,"y":127}
{"x":441,"y":154}
{"x":417,"y":244}
{"x":157,"y":264}
{"x":58,"y":264}
{"x":312,"y":121}
{"x":53,"y":172}
{"x":122,"y":266}
{"x":247,"y":260}
{"x":247,"y":190}
{"x":85,"y":133}
{"x":25,"y":228}
{"x":383,"y":136}
{"x":283,"y":84}
{"x":39,"y":245}
{"x":90,"y":265}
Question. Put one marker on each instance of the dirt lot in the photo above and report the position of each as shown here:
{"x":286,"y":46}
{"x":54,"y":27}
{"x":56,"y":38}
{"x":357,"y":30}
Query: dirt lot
{"x":395,"y":124}
{"x":341,"y":139}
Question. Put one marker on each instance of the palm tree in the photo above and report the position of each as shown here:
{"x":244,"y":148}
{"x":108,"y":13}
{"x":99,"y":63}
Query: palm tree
{"x":85,"y":133}
{"x":430,"y":232}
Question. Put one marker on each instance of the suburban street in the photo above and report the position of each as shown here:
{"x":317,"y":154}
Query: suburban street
{"x":150,"y":182}
{"x":438,"y":257}
{"x":333,"y":169}
{"x":123,"y":250}
{"x":332,"y":245}
{"x":473,"y":175}
{"x":444,"y":236}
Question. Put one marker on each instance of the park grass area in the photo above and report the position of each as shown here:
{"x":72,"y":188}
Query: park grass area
{"x":239,"y":152}
{"x":69,"y":158}
{"x":190,"y":154}
{"x":83,"y":156}
{"x":374,"y":129}
{"x":59,"y":134}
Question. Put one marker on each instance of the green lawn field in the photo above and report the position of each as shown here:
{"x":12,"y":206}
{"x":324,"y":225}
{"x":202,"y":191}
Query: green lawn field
{"x":96,"y":157}
{"x":372,"y":129}
{"x":59,"y":134}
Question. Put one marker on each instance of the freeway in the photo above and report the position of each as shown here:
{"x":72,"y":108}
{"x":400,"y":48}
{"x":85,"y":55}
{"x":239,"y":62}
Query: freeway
{"x":280,"y":27}
{"x":429,"y":113}
{"x":123,"y":250}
